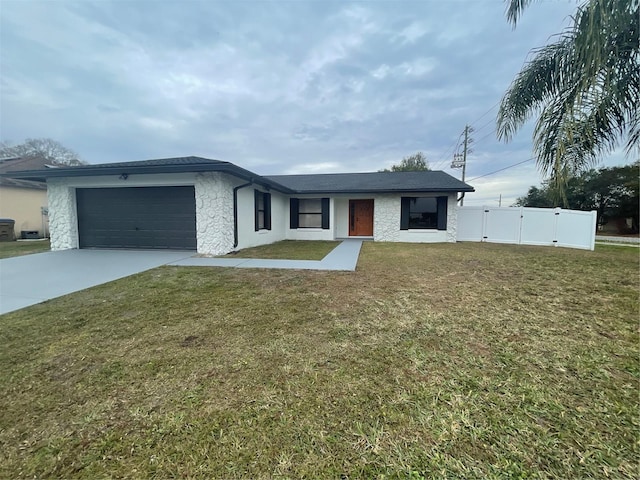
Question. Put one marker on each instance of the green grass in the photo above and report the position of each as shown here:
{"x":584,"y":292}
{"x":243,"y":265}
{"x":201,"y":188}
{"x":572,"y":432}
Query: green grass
{"x":14,"y":249}
{"x":430,"y":361}
{"x":289,"y":250}
{"x":604,"y":247}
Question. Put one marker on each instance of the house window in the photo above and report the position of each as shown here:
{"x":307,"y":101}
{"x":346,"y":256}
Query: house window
{"x":309,"y":213}
{"x":423,"y":213}
{"x":262,"y":210}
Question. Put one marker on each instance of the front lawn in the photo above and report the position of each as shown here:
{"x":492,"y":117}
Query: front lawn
{"x":430,"y":361}
{"x":14,"y":249}
{"x":289,"y":250}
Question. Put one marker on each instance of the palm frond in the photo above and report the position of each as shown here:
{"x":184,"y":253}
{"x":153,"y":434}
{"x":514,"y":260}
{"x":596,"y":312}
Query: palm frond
{"x":514,"y":10}
{"x":542,"y":79}
{"x":585,"y":87}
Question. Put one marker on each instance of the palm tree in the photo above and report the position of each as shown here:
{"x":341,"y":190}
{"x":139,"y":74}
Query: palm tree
{"x":585,"y":87}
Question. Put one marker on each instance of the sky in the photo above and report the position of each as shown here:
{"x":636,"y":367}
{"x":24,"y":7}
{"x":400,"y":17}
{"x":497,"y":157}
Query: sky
{"x":279,"y":87}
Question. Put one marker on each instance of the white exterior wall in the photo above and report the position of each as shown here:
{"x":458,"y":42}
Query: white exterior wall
{"x":311,"y":233}
{"x":214,"y":213}
{"x":386,"y":221}
{"x":341,"y":211}
{"x":63,"y":217}
{"x":247,"y":235}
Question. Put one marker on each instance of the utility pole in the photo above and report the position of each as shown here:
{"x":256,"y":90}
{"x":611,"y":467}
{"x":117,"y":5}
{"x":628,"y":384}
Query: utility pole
{"x":460,"y":159}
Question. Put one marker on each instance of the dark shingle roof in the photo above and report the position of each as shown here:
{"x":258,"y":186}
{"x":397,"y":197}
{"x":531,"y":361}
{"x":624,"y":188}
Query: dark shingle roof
{"x":428,"y":181}
{"x":380,"y":182}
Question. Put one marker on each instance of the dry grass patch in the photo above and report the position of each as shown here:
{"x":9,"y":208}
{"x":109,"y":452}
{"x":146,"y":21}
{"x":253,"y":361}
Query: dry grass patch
{"x":289,"y":250}
{"x":15,"y":249}
{"x":446,"y":361}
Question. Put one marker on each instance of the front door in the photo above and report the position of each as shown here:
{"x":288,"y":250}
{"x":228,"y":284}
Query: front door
{"x":361,"y":218}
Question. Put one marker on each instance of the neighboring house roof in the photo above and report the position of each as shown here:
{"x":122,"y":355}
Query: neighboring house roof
{"x":379,"y":182}
{"x":12,"y":182}
{"x":15,"y":164}
{"x":20,"y":164}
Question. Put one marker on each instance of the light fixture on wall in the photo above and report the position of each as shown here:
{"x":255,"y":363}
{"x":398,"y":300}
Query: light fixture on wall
{"x":123,"y":176}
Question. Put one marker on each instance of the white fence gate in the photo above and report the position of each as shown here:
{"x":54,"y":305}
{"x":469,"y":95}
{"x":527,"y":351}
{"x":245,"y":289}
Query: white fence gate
{"x":528,"y":226}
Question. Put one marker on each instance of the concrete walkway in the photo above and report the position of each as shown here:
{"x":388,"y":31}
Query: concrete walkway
{"x":343,"y":257}
{"x":617,"y":240}
{"x":31,"y":279}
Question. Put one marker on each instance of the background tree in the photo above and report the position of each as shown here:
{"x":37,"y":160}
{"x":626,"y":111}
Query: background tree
{"x":630,"y":204}
{"x":585,"y":88}
{"x":536,"y":197}
{"x":613,"y":192}
{"x":46,"y":148}
{"x":414,"y":163}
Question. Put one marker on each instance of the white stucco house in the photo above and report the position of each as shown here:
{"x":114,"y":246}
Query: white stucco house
{"x":216,"y":207}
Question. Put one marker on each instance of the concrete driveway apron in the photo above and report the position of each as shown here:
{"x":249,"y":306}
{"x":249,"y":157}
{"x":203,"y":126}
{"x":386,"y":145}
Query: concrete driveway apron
{"x":32,"y":279}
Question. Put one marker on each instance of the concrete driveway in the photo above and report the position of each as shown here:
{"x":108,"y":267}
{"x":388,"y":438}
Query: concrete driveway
{"x":32,"y":279}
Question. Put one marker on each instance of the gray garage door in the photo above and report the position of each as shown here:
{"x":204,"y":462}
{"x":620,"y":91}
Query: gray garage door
{"x":139,"y":217}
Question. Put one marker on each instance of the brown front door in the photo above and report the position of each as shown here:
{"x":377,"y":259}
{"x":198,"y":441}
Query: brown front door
{"x":361,"y":218}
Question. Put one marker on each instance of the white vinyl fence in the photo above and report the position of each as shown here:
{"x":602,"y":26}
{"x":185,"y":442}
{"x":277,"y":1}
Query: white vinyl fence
{"x":528,"y":226}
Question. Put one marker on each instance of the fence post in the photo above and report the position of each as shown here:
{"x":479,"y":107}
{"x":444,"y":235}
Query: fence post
{"x":485,"y":211}
{"x":594,"y":225}
{"x":520,"y":227}
{"x":556,"y":219}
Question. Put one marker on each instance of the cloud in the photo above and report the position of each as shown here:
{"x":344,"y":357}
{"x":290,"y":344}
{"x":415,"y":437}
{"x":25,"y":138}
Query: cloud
{"x":275,"y":87}
{"x":413,"y":32}
{"x":322,"y":167}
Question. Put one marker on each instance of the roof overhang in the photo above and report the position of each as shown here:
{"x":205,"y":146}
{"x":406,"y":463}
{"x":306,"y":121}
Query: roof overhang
{"x":374,"y":190}
{"x":129,"y":169}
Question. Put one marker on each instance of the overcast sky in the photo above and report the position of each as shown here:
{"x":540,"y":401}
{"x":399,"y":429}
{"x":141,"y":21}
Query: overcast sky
{"x":274,"y":87}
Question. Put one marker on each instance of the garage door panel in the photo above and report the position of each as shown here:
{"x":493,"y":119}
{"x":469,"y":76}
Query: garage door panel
{"x":137,"y":217}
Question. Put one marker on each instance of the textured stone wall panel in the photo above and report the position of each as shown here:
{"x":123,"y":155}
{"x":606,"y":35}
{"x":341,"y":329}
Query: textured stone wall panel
{"x":452,"y":218}
{"x":386,"y":218}
{"x":63,"y":220}
{"x":214,"y":213}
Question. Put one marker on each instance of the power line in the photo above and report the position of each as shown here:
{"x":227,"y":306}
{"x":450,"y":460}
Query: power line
{"x":485,"y":125}
{"x":445,"y":157}
{"x":485,"y":113}
{"x":486,"y":136}
{"x":502,"y":169}
{"x":451,"y":150}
